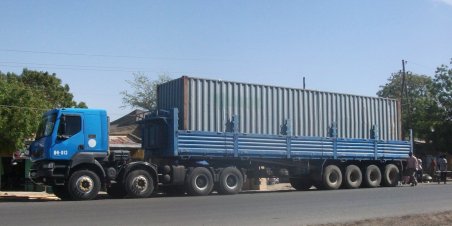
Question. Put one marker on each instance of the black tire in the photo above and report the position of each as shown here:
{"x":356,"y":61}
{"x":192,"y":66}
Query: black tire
{"x":199,"y":181}
{"x":391,"y":176}
{"x":230,"y":181}
{"x":83,"y":185}
{"x":353,"y":177}
{"x":332,"y":177}
{"x":116,"y":191}
{"x":61,"y":192}
{"x":372,"y":177}
{"x":139,"y":184}
{"x":301,"y":183}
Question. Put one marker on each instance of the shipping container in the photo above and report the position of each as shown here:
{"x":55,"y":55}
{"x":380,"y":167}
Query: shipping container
{"x":207,"y":105}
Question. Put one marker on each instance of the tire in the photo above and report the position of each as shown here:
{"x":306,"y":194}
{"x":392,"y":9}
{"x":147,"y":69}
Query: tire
{"x":301,"y":183}
{"x":332,"y":177}
{"x":116,"y":191}
{"x":372,"y":177}
{"x":230,"y":181}
{"x":199,"y":181}
{"x":391,"y":176}
{"x":83,"y":185}
{"x":61,"y":192}
{"x":139,"y":184}
{"x":353,"y":177}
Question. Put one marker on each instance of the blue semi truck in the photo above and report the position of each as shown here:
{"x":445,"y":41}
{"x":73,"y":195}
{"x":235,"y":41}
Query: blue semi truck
{"x":71,"y":154}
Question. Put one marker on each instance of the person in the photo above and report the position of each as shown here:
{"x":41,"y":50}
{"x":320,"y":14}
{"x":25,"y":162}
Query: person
{"x":433,"y":168}
{"x":419,"y":171}
{"x":442,"y":166}
{"x":411,"y":168}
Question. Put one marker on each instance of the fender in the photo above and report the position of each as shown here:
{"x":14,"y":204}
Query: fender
{"x":151,"y":168}
{"x":87,"y":158}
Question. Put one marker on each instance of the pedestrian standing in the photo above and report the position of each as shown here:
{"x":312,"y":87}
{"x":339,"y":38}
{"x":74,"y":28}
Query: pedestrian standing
{"x":442,"y":165}
{"x":433,"y":168}
{"x":411,"y":168}
{"x":420,"y":171}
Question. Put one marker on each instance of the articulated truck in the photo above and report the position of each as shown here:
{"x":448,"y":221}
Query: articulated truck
{"x":213,"y":135}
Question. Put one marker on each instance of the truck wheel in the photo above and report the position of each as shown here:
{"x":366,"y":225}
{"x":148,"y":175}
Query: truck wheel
{"x":199,"y":181}
{"x":352,"y":177}
{"x":372,"y":178}
{"x":139,"y":184}
{"x":61,"y":192}
{"x":83,"y":185}
{"x":231,"y":181}
{"x":332,"y":177}
{"x":116,"y":191}
{"x":391,"y":175}
{"x":301,"y":184}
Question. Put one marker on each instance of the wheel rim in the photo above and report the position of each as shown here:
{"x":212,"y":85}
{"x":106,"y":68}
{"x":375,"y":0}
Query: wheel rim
{"x":85,"y":184}
{"x":231,"y":181}
{"x":140,"y":183}
{"x":373,"y":176}
{"x":201,"y":182}
{"x":354,"y":177}
{"x":333,"y":177}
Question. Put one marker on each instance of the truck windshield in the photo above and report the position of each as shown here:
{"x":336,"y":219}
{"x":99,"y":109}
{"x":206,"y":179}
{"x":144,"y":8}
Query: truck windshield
{"x":46,"y":126}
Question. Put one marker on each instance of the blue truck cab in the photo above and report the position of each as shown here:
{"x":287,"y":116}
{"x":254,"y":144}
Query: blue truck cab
{"x":65,"y":133}
{"x":71,"y":154}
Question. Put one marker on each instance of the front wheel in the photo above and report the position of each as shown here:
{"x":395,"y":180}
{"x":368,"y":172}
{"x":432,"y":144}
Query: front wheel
{"x":139,"y":184}
{"x":83,"y":185}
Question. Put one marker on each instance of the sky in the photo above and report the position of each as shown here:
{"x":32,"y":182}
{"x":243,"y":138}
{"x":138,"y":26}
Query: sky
{"x":339,"y":46}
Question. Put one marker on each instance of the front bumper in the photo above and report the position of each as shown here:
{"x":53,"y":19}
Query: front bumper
{"x":49,"y":172}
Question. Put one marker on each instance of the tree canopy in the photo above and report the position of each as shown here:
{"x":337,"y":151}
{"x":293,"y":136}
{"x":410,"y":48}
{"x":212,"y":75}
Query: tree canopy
{"x":23,"y":99}
{"x":426,"y":104}
{"x":144,"y":92}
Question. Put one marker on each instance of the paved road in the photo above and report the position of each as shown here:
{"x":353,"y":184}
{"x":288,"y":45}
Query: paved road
{"x":263,"y":208}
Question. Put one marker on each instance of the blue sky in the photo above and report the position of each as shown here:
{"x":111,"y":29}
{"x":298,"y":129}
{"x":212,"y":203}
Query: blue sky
{"x":339,"y":46}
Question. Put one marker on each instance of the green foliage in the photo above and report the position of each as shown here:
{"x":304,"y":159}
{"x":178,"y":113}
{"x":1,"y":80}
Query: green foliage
{"x":417,"y":102}
{"x":23,"y":99}
{"x":144,"y":94}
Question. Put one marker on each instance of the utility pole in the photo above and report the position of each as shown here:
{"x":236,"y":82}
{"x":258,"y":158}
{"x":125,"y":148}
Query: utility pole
{"x":401,"y":98}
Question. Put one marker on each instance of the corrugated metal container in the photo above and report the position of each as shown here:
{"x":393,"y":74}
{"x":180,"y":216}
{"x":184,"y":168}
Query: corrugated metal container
{"x":206,"y":105}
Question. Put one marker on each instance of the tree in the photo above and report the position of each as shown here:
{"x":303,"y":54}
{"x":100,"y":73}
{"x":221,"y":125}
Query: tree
{"x":144,"y":94}
{"x":442,"y":88}
{"x":23,"y":99}
{"x":419,"y":109}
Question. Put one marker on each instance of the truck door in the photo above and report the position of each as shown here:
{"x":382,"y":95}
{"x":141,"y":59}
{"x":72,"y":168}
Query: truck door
{"x":69,"y":138}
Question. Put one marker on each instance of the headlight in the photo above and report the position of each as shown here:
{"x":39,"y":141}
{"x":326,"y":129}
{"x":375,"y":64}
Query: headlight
{"x":49,"y":165}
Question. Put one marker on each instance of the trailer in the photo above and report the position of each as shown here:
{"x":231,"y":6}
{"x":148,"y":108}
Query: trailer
{"x":215,"y":135}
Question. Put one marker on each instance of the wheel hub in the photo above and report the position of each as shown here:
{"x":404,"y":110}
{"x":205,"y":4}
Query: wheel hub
{"x":201,"y":182}
{"x":140,"y":183}
{"x":85,"y":184}
{"x":231,"y":181}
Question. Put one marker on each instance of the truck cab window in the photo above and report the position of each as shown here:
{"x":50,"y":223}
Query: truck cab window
{"x":69,"y":126}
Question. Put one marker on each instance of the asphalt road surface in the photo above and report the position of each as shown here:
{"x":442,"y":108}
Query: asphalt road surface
{"x":260,"y":208}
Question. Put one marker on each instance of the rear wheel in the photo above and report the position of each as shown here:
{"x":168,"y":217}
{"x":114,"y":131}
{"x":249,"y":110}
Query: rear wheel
{"x":61,"y":192}
{"x":231,"y":181}
{"x":301,"y":183}
{"x":83,"y":185}
{"x":372,"y":177}
{"x":391,"y":175}
{"x":139,"y":184}
{"x":352,"y":177}
{"x":199,"y":181}
{"x":332,"y":177}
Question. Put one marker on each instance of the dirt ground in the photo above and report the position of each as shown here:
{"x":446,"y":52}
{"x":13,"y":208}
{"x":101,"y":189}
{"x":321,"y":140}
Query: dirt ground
{"x":440,"y":218}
